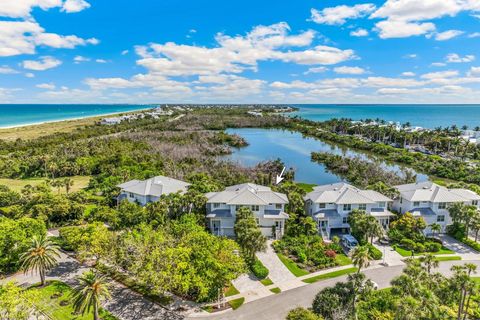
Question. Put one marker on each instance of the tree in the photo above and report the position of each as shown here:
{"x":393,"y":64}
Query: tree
{"x":360,"y":257}
{"x":429,"y":262}
{"x":360,"y":287}
{"x":68,"y":184}
{"x":17,"y":303}
{"x":302,"y":314}
{"x":333,"y":303}
{"x":436,"y":228}
{"x":248,"y":234}
{"x":40,"y":257}
{"x":90,"y":292}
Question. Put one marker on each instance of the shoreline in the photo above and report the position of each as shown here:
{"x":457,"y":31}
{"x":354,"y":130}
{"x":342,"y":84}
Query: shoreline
{"x":71,"y":119}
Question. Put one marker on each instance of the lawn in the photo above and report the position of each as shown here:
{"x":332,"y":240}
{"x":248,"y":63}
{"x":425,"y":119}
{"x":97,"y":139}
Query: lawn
{"x":54,"y":300}
{"x":235,"y":304}
{"x":292,"y":266}
{"x":307,"y":187}
{"x":448,"y":258}
{"x":330,"y":275}
{"x":79,"y":182}
{"x":276,"y":290}
{"x":343,"y":260}
{"x":408,"y":253}
{"x":266,"y":282}
{"x":231,"y":291}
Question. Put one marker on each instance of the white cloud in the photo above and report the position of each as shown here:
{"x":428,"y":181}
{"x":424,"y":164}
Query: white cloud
{"x":7,"y":70}
{"x":71,"y":6}
{"x":316,"y":70}
{"x":22,"y":37}
{"x":349,"y":70}
{"x":455,"y":58}
{"x":338,"y":15}
{"x":80,"y":59}
{"x":402,"y":29}
{"x":44,"y":63}
{"x":124,"y":52}
{"x":440,"y":74}
{"x":359,"y":33}
{"x":22,"y":8}
{"x":474,"y":71}
{"x":408,"y":74}
{"x":29,"y":75}
{"x":411,"y":56}
{"x":438,"y":64}
{"x":101,"y":61}
{"x":447,"y":35}
{"x":48,"y":86}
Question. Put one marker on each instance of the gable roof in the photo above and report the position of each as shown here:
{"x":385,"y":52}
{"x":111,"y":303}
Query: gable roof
{"x":155,"y":186}
{"x":432,"y":192}
{"x":343,"y":193}
{"x":247,"y":194}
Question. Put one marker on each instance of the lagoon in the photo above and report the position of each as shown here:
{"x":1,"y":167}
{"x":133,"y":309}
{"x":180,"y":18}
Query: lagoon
{"x":294,"y":150}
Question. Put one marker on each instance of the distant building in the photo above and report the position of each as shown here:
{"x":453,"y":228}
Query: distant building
{"x":330,"y":205}
{"x":111,"y":121}
{"x":150,"y":190}
{"x":268,"y":207}
{"x":431,"y":201}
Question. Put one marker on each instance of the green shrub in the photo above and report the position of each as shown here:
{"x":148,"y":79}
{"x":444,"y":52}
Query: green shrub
{"x":374,"y":253}
{"x":432,"y":246}
{"x":407,"y":244}
{"x":419,"y":247}
{"x":259,"y":270}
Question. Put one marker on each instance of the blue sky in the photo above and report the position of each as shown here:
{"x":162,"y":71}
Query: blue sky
{"x":92,"y":51}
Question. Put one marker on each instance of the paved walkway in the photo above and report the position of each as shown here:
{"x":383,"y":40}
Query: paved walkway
{"x":278,"y":273}
{"x":392,"y":257}
{"x":125,"y":304}
{"x":247,"y":282}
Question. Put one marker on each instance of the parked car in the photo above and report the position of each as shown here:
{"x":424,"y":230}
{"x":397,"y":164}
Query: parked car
{"x":349,"y":242}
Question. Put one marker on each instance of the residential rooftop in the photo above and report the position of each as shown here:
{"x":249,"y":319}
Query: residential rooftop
{"x":431,"y":192}
{"x":344,"y":193}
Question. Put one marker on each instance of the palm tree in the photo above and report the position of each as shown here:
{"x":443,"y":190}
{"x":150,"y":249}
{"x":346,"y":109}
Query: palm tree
{"x":41,"y":257}
{"x":68,"y":183}
{"x":436,"y":228}
{"x":429,"y":262}
{"x":90,"y":292}
{"x":360,"y":257}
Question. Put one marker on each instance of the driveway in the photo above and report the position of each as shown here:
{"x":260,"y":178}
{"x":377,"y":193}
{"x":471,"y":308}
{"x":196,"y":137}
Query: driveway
{"x":457,"y":246}
{"x":278,"y":273}
{"x":276,"y":307}
{"x":391,"y":257}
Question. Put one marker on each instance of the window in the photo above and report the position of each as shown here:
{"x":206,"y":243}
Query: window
{"x":278,"y":206}
{"x":344,"y":219}
{"x":441,"y":218}
{"x":347,"y":207}
{"x":475,"y":202}
{"x":258,"y":221}
{"x":442,"y":205}
{"x":382,"y":204}
{"x":255,"y":208}
{"x":130,"y":195}
{"x":216,"y":205}
{"x":362,"y":206}
{"x":321,"y":205}
{"x":416,"y":204}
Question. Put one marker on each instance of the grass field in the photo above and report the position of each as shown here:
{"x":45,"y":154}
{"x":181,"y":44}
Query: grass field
{"x":276,"y":290}
{"x":307,"y":187}
{"x":79,"y":182}
{"x":343,"y":260}
{"x":54,"y":300}
{"x":448,"y":258}
{"x":330,"y":275}
{"x":408,"y":253}
{"x":292,"y":266}
{"x":266,"y":282}
{"x":231,"y":291}
{"x":235,"y":304}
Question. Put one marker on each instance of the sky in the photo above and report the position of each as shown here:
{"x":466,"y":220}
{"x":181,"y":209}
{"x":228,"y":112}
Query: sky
{"x":198,"y":51}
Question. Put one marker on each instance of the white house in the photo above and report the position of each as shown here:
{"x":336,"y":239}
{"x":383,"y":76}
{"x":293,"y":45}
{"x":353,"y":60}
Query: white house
{"x":431,"y":201}
{"x":150,"y":190}
{"x":330,"y":205}
{"x":268,"y":207}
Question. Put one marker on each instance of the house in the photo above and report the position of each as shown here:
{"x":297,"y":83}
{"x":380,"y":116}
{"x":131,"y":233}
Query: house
{"x":150,"y":190}
{"x":431,"y":201}
{"x":111,"y":121}
{"x":330,"y":205}
{"x":268,"y":207}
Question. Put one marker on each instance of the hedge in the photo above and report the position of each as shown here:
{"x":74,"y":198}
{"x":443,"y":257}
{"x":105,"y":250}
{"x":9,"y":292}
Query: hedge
{"x":259,"y":270}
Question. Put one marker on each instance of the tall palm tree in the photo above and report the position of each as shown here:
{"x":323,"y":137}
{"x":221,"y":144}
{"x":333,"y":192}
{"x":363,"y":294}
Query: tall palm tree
{"x":360,"y":257}
{"x":429,"y":262}
{"x":40,"y":257}
{"x":436,"y":228}
{"x":68,"y":184}
{"x":90,"y":292}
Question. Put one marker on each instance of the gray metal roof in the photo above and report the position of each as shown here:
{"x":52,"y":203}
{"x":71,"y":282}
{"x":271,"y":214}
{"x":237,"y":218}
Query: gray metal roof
{"x":422,"y":212}
{"x":343,"y":193}
{"x":381,"y":212}
{"x":247,"y":194}
{"x":431,"y":192}
{"x":274,"y":214}
{"x":155,"y":186}
{"x":326,"y":213}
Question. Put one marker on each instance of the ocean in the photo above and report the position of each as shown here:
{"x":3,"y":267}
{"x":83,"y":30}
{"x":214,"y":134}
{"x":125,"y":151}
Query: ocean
{"x":428,"y":116}
{"x":12,"y":115}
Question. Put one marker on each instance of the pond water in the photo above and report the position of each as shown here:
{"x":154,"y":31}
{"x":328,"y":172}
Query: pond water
{"x":294,"y":150}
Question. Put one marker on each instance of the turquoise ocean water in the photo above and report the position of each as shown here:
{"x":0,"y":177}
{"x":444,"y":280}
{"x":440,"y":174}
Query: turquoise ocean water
{"x":428,"y":116}
{"x":17,"y":115}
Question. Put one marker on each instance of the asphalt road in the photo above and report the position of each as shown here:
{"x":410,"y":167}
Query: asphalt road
{"x":277,"y":306}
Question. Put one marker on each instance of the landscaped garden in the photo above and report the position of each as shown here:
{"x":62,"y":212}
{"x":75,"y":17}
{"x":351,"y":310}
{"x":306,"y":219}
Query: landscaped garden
{"x":304,"y":254}
{"x":55,"y":300}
